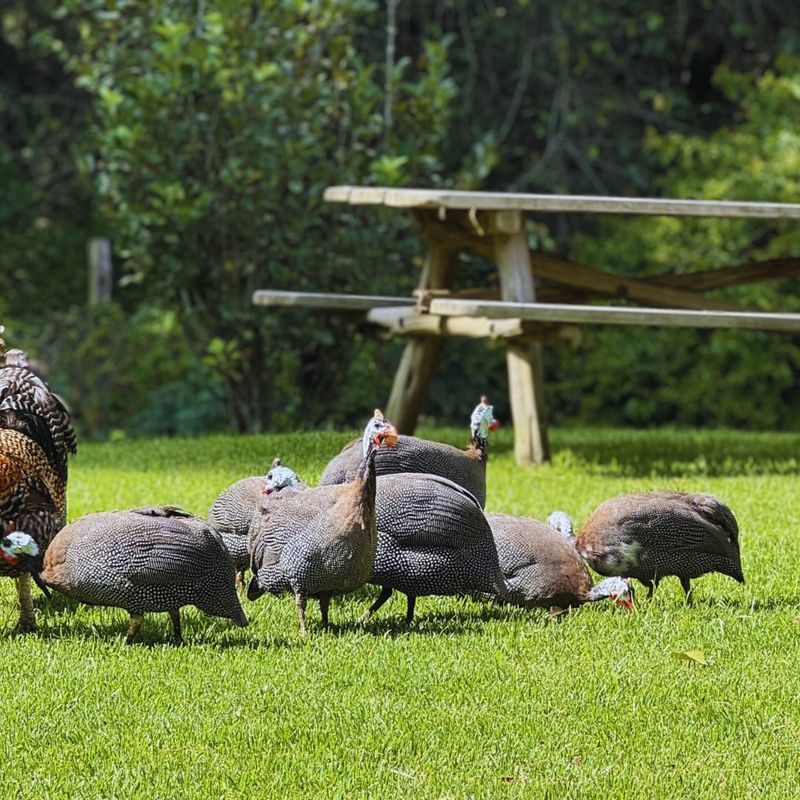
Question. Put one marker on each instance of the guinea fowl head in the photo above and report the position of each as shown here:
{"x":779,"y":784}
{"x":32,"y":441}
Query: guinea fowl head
{"x":562,"y":522}
{"x":620,"y":590}
{"x":16,"y":546}
{"x":378,"y":433}
{"x":279,"y":477}
{"x":482,"y":421}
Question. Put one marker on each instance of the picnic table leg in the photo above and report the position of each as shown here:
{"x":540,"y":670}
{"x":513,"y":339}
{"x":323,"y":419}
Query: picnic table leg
{"x":524,"y":358}
{"x":421,"y":355}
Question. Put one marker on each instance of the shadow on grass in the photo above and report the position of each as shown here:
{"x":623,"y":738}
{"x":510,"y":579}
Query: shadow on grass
{"x":677,"y":453}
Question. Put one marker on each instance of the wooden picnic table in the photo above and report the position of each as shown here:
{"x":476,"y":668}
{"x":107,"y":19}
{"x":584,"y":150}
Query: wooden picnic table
{"x":541,"y":298}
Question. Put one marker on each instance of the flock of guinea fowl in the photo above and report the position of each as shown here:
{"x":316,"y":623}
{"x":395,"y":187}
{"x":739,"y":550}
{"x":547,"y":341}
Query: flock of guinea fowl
{"x":402,"y":513}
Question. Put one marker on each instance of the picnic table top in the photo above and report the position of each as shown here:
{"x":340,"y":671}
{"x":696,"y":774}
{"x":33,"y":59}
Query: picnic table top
{"x":550,"y":203}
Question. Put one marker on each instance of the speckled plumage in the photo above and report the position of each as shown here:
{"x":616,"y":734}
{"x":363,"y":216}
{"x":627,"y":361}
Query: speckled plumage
{"x":542,"y":568}
{"x":143,"y":561}
{"x":651,"y":535}
{"x":433,"y":539}
{"x":238,"y":508}
{"x":36,"y":438}
{"x":319,"y":542}
{"x":467,"y":467}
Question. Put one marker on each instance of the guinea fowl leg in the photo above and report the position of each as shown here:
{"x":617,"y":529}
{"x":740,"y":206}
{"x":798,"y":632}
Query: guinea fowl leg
{"x":652,"y":587}
{"x":136,"y":623}
{"x":300,"y":602}
{"x":412,"y":601}
{"x":175,"y":616}
{"x":27,"y":619}
{"x":324,"y":604}
{"x":386,"y":593}
{"x":687,"y":587}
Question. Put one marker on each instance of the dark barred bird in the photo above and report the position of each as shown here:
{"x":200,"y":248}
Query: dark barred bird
{"x":36,"y":438}
{"x":321,"y":542}
{"x":433,"y":539}
{"x":233,"y":512}
{"x":466,"y":467}
{"x":651,"y":535}
{"x":149,"y":559}
{"x":543,"y":568}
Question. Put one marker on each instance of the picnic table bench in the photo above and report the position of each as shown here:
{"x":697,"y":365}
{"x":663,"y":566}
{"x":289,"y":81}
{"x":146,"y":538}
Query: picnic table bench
{"x":541,"y":298}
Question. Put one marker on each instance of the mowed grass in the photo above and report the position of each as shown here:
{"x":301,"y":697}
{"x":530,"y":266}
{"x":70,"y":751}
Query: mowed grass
{"x":474,"y":700}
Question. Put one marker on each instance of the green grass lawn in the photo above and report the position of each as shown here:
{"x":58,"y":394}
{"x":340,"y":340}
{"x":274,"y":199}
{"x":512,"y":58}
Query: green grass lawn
{"x":472,"y":701}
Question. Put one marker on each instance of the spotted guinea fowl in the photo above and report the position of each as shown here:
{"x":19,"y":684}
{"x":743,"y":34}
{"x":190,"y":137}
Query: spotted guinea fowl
{"x":232,"y":512}
{"x":144,"y":560}
{"x":466,"y":467}
{"x":36,"y":437}
{"x":433,"y":539}
{"x":543,"y":569}
{"x":651,"y":535}
{"x":321,"y":542}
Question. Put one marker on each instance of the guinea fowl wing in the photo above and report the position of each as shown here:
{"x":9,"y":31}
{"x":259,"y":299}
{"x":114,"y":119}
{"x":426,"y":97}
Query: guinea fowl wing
{"x":417,"y":511}
{"x":170,"y":555}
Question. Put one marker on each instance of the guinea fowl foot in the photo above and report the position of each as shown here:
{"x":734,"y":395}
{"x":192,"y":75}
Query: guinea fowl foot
{"x":175,"y":616}
{"x":687,"y":588}
{"x":133,"y":629}
{"x":324,"y":605}
{"x":386,"y":593}
{"x":412,"y":602}
{"x":300,"y":602}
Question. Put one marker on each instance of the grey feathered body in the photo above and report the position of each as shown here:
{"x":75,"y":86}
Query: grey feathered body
{"x":320,"y":541}
{"x":541,"y":567}
{"x":467,"y":467}
{"x":651,"y":535}
{"x":142,"y":561}
{"x":433,"y":538}
{"x":237,"y":509}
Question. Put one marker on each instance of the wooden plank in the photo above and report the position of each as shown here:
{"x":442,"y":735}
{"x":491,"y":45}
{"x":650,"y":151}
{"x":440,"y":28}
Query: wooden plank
{"x":421,"y":355}
{"x":325,"y":300}
{"x":606,"y":284}
{"x":618,"y":315}
{"x":546,"y":203}
{"x":523,"y":359}
{"x":723,"y":277}
{"x":403,"y":321}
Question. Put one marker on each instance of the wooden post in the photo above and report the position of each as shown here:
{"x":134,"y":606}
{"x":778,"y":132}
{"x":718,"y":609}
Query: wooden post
{"x":421,"y":356}
{"x":524,"y":359}
{"x":99,"y":271}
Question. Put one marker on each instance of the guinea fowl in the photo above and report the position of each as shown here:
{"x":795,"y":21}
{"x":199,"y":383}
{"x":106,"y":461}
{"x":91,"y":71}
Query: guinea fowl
{"x":433,"y":539}
{"x":543,"y":569}
{"x":466,"y":467}
{"x":150,"y":559}
{"x":321,"y":542}
{"x":651,"y":535}
{"x":233,"y":511}
{"x":35,"y":439}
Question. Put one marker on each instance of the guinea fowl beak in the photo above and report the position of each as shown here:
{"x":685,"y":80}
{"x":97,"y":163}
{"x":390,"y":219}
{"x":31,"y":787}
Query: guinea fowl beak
{"x":625,"y":602}
{"x":388,"y":436}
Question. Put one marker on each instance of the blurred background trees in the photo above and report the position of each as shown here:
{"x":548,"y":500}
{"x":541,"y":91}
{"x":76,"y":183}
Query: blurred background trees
{"x":200,"y":135}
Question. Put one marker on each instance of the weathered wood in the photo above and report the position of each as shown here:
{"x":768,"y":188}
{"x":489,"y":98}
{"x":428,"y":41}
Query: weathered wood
{"x":605,"y":284}
{"x":618,"y":315}
{"x":403,"y":321}
{"x":724,"y":277}
{"x":326,"y":300}
{"x":421,"y":355}
{"x":547,"y":203}
{"x":100,"y":271}
{"x":524,"y":360}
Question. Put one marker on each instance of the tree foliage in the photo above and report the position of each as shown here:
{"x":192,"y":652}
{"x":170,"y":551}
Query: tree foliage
{"x":200,"y":135}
